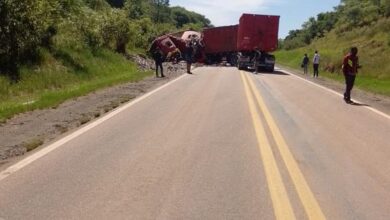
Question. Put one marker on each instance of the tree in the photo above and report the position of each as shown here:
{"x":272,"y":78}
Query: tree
{"x":98,"y":4}
{"x":161,"y":11}
{"x":116,"y":3}
{"x":23,"y":27}
{"x":385,"y":4}
{"x":135,"y":9}
{"x":180,"y":17}
{"x":183,"y":17}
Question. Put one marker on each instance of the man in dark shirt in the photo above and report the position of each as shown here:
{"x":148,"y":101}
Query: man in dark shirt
{"x":305,"y":63}
{"x":256,"y":57}
{"x":189,"y":55}
{"x":158,"y":57}
{"x":350,"y":69}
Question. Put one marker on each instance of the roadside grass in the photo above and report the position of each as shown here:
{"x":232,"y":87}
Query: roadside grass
{"x":374,"y":52}
{"x":64,"y":74}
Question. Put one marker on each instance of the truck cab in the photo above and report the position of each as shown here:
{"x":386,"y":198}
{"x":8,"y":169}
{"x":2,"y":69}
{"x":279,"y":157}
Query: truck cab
{"x":256,"y":61}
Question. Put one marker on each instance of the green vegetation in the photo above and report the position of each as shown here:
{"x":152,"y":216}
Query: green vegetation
{"x":52,"y":82}
{"x":53,"y":50}
{"x":365,"y":24}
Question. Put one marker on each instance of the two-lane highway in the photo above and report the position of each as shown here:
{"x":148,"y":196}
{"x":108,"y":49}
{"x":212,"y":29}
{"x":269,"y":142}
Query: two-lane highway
{"x":219,"y":144}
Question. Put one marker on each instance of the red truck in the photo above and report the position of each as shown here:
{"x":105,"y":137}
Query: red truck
{"x":165,"y":44}
{"x":257,"y":36}
{"x":246,"y":45}
{"x":220,"y":43}
{"x":173,"y":47}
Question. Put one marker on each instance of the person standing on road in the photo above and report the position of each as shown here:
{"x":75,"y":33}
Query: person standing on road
{"x":316,"y":64}
{"x":350,"y":69}
{"x":188,"y":55}
{"x":256,"y":58}
{"x":158,"y":59}
{"x":305,"y":63}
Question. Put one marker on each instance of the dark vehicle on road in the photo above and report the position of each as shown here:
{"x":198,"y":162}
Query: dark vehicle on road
{"x":257,"y":36}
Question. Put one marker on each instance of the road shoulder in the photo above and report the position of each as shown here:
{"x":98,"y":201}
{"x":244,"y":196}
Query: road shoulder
{"x":25,"y":132}
{"x":376,"y":101}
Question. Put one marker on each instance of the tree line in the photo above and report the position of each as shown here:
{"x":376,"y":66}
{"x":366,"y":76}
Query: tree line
{"x":348,"y":15}
{"x":28,"y":27}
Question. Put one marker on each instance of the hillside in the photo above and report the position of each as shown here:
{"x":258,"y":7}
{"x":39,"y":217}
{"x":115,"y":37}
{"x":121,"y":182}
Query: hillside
{"x":350,"y":27}
{"x":53,"y":50}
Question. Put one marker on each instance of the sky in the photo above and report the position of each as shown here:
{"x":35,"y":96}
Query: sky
{"x":293,"y":13}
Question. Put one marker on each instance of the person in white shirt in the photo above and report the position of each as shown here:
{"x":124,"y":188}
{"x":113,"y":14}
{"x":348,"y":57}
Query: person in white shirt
{"x":316,"y":63}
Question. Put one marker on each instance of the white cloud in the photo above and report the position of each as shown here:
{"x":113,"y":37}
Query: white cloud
{"x":222,"y":12}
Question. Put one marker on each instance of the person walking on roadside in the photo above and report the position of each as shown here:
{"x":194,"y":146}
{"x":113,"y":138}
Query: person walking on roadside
{"x":316,"y":64}
{"x":350,"y":69}
{"x":305,"y":63}
{"x":188,"y":55}
{"x":158,"y":57}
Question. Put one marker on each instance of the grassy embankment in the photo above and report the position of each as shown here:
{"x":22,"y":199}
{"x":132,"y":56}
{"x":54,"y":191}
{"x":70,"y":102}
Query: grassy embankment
{"x":64,"y":74}
{"x":374,"y":56}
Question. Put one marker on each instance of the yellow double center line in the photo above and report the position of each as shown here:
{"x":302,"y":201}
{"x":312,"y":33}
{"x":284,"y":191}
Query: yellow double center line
{"x":280,"y":200}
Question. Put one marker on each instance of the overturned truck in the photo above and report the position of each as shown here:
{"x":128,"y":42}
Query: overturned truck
{"x":170,"y":46}
{"x":174,"y":46}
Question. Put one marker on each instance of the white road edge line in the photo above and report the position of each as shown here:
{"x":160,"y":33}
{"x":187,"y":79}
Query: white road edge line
{"x":35,"y":156}
{"x":336,"y":93}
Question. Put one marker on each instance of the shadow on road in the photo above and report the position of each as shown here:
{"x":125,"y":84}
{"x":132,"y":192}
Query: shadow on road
{"x":276,"y":72}
{"x":358,"y":104}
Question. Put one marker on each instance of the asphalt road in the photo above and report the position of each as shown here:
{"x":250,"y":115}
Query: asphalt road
{"x":219,"y":144}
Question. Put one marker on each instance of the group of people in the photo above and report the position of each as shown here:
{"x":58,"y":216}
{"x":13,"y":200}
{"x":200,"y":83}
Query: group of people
{"x":350,"y":65}
{"x":159,"y":57}
{"x":349,"y":68}
{"x":316,"y":64}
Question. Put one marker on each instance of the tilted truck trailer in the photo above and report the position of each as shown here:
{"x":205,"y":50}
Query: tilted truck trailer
{"x":220,"y":43}
{"x":257,"y":36}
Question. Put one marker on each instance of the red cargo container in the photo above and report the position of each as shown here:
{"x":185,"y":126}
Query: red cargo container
{"x":259,"y":31}
{"x":220,"y":39}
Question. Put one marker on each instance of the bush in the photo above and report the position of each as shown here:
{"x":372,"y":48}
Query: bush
{"x":89,"y":25}
{"x":388,"y":40}
{"x":117,"y":30}
{"x":386,"y":7}
{"x":145,"y":33}
{"x":293,"y":43}
{"x":23,"y":27}
{"x":98,"y":4}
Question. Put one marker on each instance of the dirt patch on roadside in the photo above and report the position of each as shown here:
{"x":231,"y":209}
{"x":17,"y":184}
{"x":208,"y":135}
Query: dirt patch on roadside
{"x":379,"y":102}
{"x":27,"y":131}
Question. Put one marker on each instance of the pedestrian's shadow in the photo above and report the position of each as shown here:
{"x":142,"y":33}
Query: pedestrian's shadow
{"x":276,"y":72}
{"x":358,"y":104}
